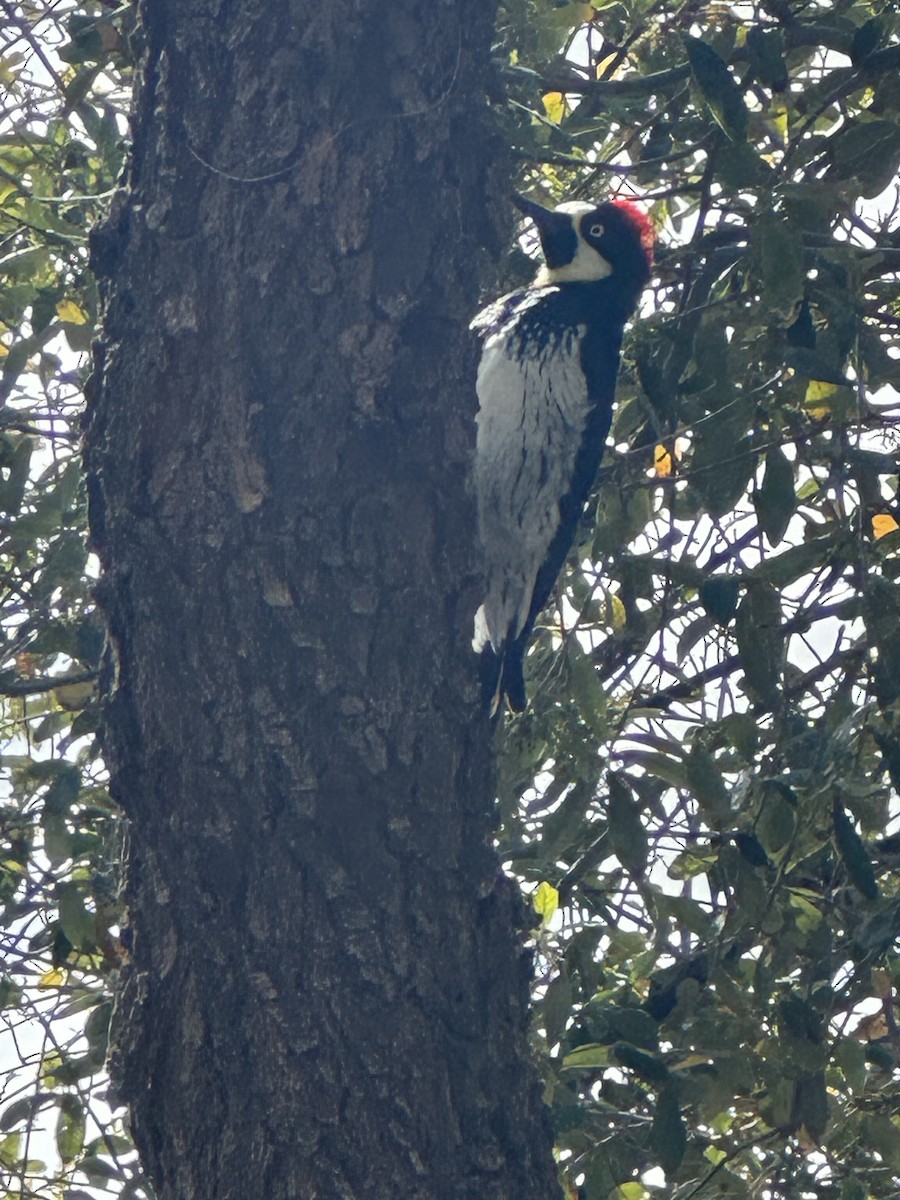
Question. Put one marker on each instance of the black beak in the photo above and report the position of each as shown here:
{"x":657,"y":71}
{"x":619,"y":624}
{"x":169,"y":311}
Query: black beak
{"x":559,"y":241}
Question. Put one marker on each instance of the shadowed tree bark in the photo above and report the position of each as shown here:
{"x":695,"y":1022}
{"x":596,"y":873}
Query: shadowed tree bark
{"x":327,"y":996}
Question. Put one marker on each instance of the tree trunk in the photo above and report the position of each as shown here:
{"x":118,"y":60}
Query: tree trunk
{"x":327,"y":996}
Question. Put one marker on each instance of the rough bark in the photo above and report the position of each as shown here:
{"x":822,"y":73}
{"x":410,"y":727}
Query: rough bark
{"x":327,"y":996}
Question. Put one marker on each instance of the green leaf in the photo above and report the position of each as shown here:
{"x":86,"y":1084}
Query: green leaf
{"x":777,"y":820}
{"x":750,"y":849}
{"x":720,"y":466}
{"x":587,"y":689}
{"x":798,"y":1019}
{"x":777,"y":242}
{"x":687,"y":913}
{"x":98,"y":1170}
{"x":741,"y":730}
{"x":599,"y":1179}
{"x":77,"y":923}
{"x":775,"y":502}
{"x":717,"y":87}
{"x":10,"y":994}
{"x":879,"y":1133}
{"x":11,"y":1150}
{"x":810,"y":1109}
{"x":850,"y":1056}
{"x":853,"y":1189}
{"x":645,"y":1066}
{"x":765,"y":49}
{"x":866,"y":38}
{"x":556,"y":1007}
{"x":868,"y":151}
{"x":18,"y":464}
{"x":668,"y":1137}
{"x":590,"y":1056}
{"x":758,"y":633}
{"x":86,"y":43}
{"x":738,"y":166}
{"x":626,"y":829}
{"x":882,"y":616}
{"x":853,"y":854}
{"x":818,"y":366}
{"x":619,"y":519}
{"x":632,"y":1025}
{"x":62,"y":792}
{"x":21,"y":1110}
{"x":719,"y":597}
{"x":64,"y":562}
{"x":96,"y":1032}
{"x":809,"y":205}
{"x":57,"y":839}
{"x":705,"y":781}
{"x":70,"y":1127}
{"x":807,"y":916}
{"x":793,"y":564}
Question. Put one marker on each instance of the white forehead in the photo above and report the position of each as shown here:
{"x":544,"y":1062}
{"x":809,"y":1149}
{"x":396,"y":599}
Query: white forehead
{"x":575,"y":208}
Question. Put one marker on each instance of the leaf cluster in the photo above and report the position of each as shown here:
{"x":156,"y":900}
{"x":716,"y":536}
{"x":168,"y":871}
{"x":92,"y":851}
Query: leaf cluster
{"x":65,"y":73}
{"x":708,"y":773}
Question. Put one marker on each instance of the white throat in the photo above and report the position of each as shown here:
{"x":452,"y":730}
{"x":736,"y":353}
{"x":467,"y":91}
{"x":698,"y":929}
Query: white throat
{"x":586,"y":267}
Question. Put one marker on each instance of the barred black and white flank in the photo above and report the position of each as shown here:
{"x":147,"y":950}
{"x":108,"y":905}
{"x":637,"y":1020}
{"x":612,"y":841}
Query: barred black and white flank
{"x":546,"y":385}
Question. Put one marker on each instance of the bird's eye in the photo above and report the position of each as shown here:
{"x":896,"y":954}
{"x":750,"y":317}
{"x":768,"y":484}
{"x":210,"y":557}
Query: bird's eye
{"x":596,"y":231}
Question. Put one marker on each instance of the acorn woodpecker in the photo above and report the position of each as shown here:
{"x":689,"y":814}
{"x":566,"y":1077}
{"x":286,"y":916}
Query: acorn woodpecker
{"x":546,"y":384}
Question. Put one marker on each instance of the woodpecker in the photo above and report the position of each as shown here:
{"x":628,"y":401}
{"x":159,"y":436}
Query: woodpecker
{"x":546,"y":384}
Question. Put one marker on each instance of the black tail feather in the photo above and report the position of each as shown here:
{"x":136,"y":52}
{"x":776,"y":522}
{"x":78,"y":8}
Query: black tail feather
{"x":502,"y":678}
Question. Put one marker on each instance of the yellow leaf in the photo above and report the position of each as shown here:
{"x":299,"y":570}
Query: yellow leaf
{"x":816,"y":392}
{"x":68,"y":311}
{"x":53,"y":978}
{"x":883,"y":524}
{"x":629,"y":1191}
{"x":662,"y":462}
{"x":546,"y":902}
{"x":615,"y":612}
{"x":50,"y":1064}
{"x":779,"y":120}
{"x":555,"y":106}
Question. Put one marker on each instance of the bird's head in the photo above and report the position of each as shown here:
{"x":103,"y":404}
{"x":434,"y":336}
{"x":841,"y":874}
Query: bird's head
{"x":583,"y":243}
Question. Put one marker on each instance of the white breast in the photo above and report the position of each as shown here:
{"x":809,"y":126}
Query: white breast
{"x":534,"y":406}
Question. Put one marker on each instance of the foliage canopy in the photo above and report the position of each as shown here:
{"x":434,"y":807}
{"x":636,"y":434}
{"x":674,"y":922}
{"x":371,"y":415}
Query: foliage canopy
{"x":703,"y":793}
{"x":708,"y":773}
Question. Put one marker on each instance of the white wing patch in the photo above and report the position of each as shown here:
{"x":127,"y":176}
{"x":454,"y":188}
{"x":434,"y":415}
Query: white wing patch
{"x":534,"y":406}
